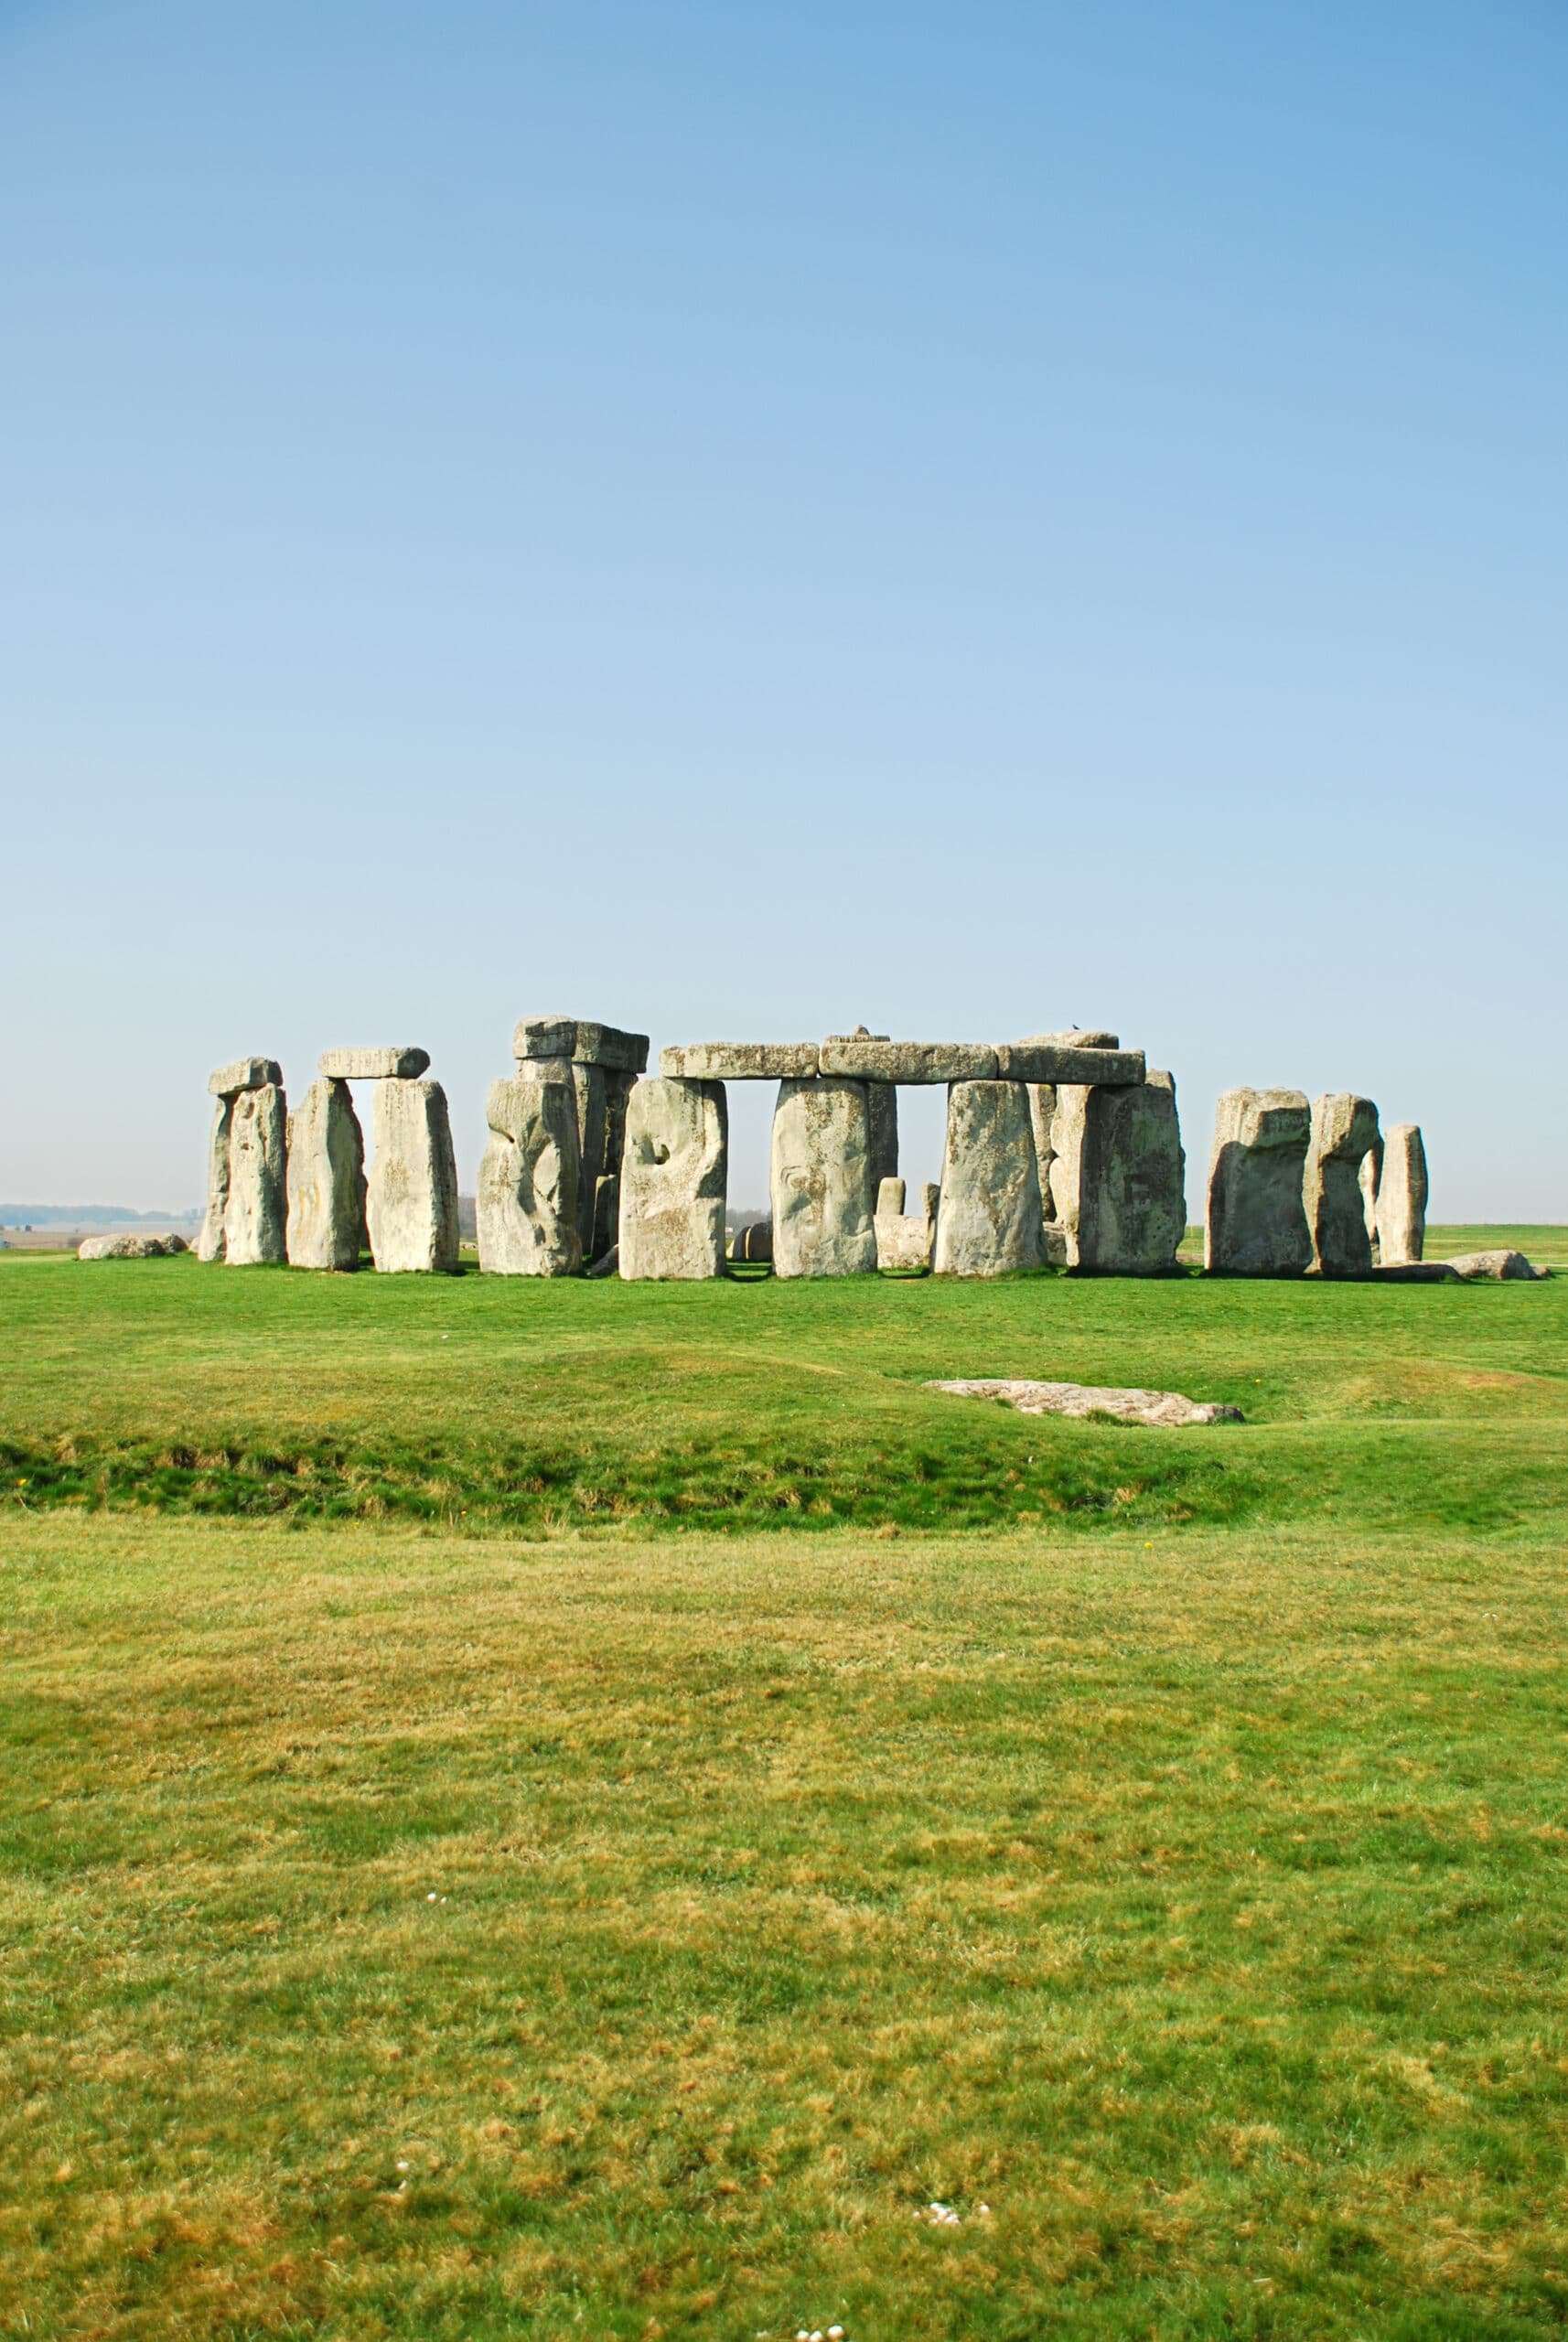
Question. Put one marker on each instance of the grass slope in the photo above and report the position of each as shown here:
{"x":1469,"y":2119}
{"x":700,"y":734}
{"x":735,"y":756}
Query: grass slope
{"x":439,"y":1939}
{"x":535,"y":1405}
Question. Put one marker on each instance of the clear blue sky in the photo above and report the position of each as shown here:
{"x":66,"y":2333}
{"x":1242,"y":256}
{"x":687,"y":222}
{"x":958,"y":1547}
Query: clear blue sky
{"x":740,"y":518}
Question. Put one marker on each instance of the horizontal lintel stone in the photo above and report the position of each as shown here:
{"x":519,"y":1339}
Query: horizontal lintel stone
{"x":1060,"y":1062}
{"x":372,"y":1064}
{"x":580,"y":1039}
{"x":911,"y":1062}
{"x":740,"y":1061}
{"x":246,"y":1073}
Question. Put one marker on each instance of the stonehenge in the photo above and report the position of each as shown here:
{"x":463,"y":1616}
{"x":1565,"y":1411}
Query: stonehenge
{"x":672,"y":1179}
{"x":989,"y":1218}
{"x":1117,"y":1175}
{"x":326,"y":1226}
{"x":255,"y":1219}
{"x":1062,"y":1150}
{"x":527,"y":1202}
{"x":1255,"y":1224}
{"x":1401,"y":1196}
{"x":821,"y":1182}
{"x":1344,"y":1132}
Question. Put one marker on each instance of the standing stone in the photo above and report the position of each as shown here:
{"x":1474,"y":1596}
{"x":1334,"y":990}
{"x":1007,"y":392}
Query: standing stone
{"x":1344,"y":1131}
{"x":1042,"y":1113}
{"x":990,"y":1218}
{"x":1401,"y":1196}
{"x":326,"y":1179}
{"x":1255,"y":1222}
{"x":618,"y":1087}
{"x":209,"y":1243}
{"x":672,"y":1179}
{"x":903,"y":1238}
{"x":882,"y":1107}
{"x":529,"y":1180}
{"x":1368,"y":1179}
{"x":412,"y":1203}
{"x":589,"y":1085}
{"x":1128,"y":1209}
{"x":255,"y":1221}
{"x":822,"y":1191}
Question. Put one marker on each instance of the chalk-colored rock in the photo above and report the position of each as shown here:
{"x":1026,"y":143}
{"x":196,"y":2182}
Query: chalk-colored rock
{"x":526,"y":1205}
{"x":740,"y":1061}
{"x":1069,"y":1061}
{"x":580,"y":1039}
{"x":411,"y":1202}
{"x":1401,"y":1196}
{"x":1164,"y":1410}
{"x":246,"y":1073}
{"x":890,"y":1194}
{"x":1479,"y":1267}
{"x":130,"y":1247}
{"x":859,"y":1058}
{"x":255,"y":1221}
{"x":672,"y":1180}
{"x":1344,"y":1132}
{"x":822,"y":1194}
{"x":210,"y":1242}
{"x":1117,"y":1196}
{"x":1367,"y":1179}
{"x":372,"y":1064}
{"x":1255,"y":1223}
{"x":326,"y":1179}
{"x":990,"y":1220}
{"x":589,"y":1088}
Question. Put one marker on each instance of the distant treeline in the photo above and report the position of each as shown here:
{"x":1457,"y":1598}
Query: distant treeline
{"x":87,"y":1216}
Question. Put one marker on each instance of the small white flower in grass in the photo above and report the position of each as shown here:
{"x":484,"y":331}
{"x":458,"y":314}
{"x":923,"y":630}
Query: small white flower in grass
{"x":835,"y":2334}
{"x":401,"y":2165}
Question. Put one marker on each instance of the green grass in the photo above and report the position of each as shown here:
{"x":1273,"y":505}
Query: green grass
{"x":1159,"y":1838}
{"x":533,"y":1405}
{"x":1196,"y":1902}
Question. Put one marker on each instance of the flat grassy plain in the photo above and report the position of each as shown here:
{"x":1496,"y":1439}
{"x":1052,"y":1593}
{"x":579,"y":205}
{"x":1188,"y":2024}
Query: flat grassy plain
{"x":833,"y":1797}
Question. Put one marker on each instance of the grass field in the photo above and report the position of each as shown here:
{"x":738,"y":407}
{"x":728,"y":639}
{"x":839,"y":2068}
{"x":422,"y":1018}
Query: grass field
{"x":833,"y":1797}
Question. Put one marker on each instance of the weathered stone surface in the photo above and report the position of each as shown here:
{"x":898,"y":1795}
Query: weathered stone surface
{"x":255,"y":1221}
{"x":1367,"y":1179}
{"x":608,"y":1047}
{"x":1164,"y":1410}
{"x":582,"y":1039}
{"x":372,"y":1064}
{"x":606,"y":1214}
{"x":1475,"y":1267}
{"x":1073,"y":1036}
{"x":930,"y":1197}
{"x":412,"y":1203}
{"x":882,"y":1106}
{"x":246,"y":1073}
{"x":526,"y":1205}
{"x":1401,"y":1196}
{"x":740,"y":1061}
{"x":823,"y":1198}
{"x":209,"y":1243}
{"x":857,"y":1057}
{"x":1344,"y":1131}
{"x":1255,"y":1224}
{"x":672,"y":1180}
{"x":1058,"y":1061}
{"x":589,"y":1088}
{"x":990,"y":1220}
{"x":326,"y":1179}
{"x":753,"y":1243}
{"x":1042,"y":1113}
{"x":608,"y":1265}
{"x":130,"y":1247}
{"x":1417,"y":1272}
{"x":1116,"y":1178}
{"x":904,"y":1241}
{"x":890,"y":1194}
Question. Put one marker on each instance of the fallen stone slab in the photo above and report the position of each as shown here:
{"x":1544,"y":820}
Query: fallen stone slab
{"x":372,"y":1064}
{"x":740,"y":1061}
{"x":860,"y":1057}
{"x":1070,"y":1062}
{"x":1166,"y":1410}
{"x":246,"y":1073}
{"x":131,"y":1248}
{"x":1478,"y":1267}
